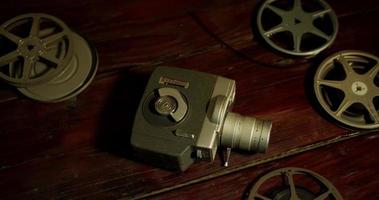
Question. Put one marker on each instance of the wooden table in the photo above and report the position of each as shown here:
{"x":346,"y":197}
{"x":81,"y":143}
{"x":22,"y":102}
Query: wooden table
{"x":79,"y":149}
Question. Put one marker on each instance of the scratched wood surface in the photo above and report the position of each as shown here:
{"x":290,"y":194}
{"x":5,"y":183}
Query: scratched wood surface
{"x":79,"y":149}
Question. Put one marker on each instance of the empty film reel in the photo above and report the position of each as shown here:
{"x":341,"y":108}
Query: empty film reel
{"x":298,"y":28}
{"x":346,"y":86}
{"x":291,"y":184}
{"x":30,"y":40}
{"x":45,"y":59}
{"x":75,"y":78}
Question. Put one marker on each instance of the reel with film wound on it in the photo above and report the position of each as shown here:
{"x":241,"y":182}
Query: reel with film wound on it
{"x":297,"y":28}
{"x":292,"y":184}
{"x":47,"y":61}
{"x":346,"y":87}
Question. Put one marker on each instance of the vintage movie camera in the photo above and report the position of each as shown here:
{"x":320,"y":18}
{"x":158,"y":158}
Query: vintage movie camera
{"x":185,"y":115}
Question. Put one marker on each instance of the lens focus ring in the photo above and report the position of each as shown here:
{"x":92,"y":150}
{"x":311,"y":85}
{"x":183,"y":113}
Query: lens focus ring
{"x":245,"y":133}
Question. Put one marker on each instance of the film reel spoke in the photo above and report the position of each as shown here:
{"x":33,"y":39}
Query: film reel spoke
{"x":369,"y":105}
{"x":332,"y":83}
{"x":52,"y":47}
{"x":297,"y":39}
{"x":8,"y":58}
{"x":261,"y":197}
{"x":320,"y":13}
{"x":319,"y":33}
{"x":291,"y":183}
{"x":54,"y":38}
{"x":297,"y":5}
{"x":280,"y":12}
{"x":345,"y":104}
{"x":323,"y":195}
{"x":27,"y":68}
{"x":346,"y":66}
{"x":276,"y":29}
{"x":51,"y":59}
{"x":34,"y":30}
{"x":373,"y":72}
{"x":10,"y":36}
{"x":376,"y":92}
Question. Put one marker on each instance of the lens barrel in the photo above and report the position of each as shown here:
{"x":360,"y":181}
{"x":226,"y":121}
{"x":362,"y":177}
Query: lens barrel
{"x":245,"y":133}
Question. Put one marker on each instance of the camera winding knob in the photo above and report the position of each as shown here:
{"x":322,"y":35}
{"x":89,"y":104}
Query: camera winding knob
{"x":170,"y":102}
{"x":165,"y":105}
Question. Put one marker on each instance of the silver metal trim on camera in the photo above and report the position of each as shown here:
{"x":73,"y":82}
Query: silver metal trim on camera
{"x":228,"y":129}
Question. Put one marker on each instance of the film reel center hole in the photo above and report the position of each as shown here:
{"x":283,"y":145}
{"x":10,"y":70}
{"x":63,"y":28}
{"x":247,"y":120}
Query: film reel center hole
{"x":30,"y":47}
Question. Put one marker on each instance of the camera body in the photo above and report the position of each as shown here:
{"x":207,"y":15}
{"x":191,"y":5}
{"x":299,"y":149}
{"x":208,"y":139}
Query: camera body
{"x":181,"y":116}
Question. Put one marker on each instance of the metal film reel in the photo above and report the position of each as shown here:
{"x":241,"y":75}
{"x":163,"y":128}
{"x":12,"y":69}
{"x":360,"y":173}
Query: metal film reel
{"x":78,"y":74}
{"x":50,"y":63}
{"x":30,"y":40}
{"x":346,"y":85}
{"x":298,"y":28}
{"x":290,"y":185}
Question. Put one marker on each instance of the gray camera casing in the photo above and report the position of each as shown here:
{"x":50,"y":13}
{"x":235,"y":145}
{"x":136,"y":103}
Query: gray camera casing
{"x":161,"y":141}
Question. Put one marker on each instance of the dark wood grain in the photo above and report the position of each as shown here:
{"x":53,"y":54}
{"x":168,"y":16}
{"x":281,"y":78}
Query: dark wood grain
{"x":347,"y":165}
{"x":79,"y":149}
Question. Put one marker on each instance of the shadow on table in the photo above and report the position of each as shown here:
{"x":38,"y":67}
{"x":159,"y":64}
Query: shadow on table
{"x":117,"y":118}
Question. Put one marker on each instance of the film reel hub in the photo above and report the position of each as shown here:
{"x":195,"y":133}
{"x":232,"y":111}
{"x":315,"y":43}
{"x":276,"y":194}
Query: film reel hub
{"x":31,"y":47}
{"x":351,"y":99}
{"x":43,"y":58}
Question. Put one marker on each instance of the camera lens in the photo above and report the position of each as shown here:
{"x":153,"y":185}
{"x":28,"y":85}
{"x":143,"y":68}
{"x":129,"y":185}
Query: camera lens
{"x":245,"y":133}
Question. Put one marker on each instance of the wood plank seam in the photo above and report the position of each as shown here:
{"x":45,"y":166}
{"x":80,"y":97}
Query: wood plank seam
{"x":286,"y":154}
